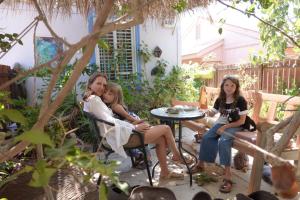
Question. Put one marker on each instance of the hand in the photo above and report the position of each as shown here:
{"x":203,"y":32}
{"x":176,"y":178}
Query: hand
{"x":142,"y":127}
{"x":209,"y":113}
{"x":138,"y":122}
{"x":221,"y":130}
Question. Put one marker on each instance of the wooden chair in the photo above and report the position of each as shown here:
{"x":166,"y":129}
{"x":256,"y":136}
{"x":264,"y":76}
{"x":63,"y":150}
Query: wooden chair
{"x":136,"y":141}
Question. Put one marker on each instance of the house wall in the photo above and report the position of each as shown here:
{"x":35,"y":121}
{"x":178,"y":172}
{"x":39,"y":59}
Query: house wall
{"x":15,"y":21}
{"x":153,"y":33}
{"x":239,"y":43}
{"x":239,"y":33}
{"x":73,"y":29}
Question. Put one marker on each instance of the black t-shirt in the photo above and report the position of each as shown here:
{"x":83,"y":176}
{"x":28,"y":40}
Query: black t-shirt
{"x":240,"y":105}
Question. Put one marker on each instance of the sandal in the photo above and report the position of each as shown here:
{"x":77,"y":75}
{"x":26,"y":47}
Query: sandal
{"x":188,"y":159}
{"x":226,"y":186}
{"x":198,"y":138}
{"x":197,"y":169}
{"x":173,"y":175}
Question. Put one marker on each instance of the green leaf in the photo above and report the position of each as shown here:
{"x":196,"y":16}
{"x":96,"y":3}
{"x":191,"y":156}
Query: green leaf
{"x":20,"y":42}
{"x":265,"y":3}
{"x":35,"y":137}
{"x":220,"y":30}
{"x":102,"y":192}
{"x":180,"y":6}
{"x":67,"y":147}
{"x":103,"y":44}
{"x":14,"y":115}
{"x":41,"y":174}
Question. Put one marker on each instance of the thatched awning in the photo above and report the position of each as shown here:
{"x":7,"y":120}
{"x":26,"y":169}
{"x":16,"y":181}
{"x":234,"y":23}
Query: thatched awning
{"x":157,"y":9}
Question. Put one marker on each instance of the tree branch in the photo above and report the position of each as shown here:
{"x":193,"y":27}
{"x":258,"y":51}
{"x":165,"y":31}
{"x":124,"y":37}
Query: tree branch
{"x":30,"y":71}
{"x":55,"y":75}
{"x":261,"y":20}
{"x":44,"y":19}
{"x":78,"y":68}
{"x":89,"y":41}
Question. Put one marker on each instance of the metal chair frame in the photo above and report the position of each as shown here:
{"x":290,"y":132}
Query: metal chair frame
{"x":139,"y":143}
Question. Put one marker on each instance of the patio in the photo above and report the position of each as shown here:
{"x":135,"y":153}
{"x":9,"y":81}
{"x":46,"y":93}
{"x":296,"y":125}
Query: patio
{"x":181,"y":188}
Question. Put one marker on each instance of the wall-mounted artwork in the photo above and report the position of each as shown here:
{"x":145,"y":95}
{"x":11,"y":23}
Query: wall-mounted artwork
{"x":47,"y":48}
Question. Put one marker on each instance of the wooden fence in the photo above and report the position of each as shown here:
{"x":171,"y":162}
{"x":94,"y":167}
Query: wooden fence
{"x":4,"y":76}
{"x":271,"y":77}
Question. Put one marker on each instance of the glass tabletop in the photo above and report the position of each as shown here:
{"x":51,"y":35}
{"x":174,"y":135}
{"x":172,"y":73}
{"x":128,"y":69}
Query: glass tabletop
{"x":162,"y":113}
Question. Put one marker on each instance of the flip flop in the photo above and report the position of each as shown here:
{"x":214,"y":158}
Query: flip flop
{"x":173,"y":175}
{"x":226,"y":186}
{"x":188,"y":159}
{"x":198,"y":138}
{"x":197,"y":169}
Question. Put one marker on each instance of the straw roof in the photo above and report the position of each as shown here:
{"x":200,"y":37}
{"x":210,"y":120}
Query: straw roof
{"x":152,"y":8}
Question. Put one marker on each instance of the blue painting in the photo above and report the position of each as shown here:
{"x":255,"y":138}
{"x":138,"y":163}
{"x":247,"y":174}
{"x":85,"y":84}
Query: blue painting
{"x":47,"y":48}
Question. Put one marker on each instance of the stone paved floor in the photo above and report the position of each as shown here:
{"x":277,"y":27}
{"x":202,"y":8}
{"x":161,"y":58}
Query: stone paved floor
{"x":182,"y":189}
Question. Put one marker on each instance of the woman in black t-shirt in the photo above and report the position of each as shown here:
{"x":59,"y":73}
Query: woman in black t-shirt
{"x":218,"y":139}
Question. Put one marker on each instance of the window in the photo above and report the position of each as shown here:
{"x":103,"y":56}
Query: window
{"x":117,"y":61}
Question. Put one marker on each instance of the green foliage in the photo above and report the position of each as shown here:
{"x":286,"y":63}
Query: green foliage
{"x":6,"y":39}
{"x":282,"y":88}
{"x":13,"y":115}
{"x":103,"y":191}
{"x":41,"y":174}
{"x":144,"y":52}
{"x":160,"y":68}
{"x":246,"y":80}
{"x":35,"y":137}
{"x":180,"y":6}
{"x":141,"y":96}
{"x":103,"y":44}
{"x":282,"y":14}
{"x":204,"y":178}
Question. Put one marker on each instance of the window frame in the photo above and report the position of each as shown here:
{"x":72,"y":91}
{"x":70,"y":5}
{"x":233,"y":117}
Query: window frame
{"x":133,"y":54}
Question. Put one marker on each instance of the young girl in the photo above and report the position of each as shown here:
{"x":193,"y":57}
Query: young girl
{"x":215,"y":140}
{"x":117,"y":136}
{"x":113,"y":98}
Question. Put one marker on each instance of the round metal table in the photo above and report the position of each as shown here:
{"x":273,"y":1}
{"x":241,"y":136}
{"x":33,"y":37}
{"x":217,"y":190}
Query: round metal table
{"x":161,"y":113}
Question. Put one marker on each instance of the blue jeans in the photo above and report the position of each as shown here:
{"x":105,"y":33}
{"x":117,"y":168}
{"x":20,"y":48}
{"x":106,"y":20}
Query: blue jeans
{"x":212,"y":143}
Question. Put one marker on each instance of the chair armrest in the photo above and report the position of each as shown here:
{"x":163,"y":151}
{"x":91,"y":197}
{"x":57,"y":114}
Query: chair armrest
{"x":137,"y":133}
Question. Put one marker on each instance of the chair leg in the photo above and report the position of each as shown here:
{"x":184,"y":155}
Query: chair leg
{"x":153,"y":168}
{"x":147,"y":166}
{"x":131,"y":157}
{"x":99,"y":179}
{"x":257,"y":167}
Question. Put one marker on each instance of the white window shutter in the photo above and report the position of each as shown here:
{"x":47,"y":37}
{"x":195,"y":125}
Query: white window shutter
{"x":118,"y":61}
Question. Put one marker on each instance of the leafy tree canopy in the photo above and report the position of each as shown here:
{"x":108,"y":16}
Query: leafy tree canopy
{"x":279,"y":24}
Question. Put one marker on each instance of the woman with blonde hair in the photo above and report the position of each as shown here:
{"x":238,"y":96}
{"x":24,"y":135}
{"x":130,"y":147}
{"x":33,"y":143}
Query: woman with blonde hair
{"x":117,"y":136}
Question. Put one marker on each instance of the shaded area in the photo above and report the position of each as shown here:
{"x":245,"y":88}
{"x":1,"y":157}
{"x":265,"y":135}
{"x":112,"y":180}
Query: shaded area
{"x":64,"y":185}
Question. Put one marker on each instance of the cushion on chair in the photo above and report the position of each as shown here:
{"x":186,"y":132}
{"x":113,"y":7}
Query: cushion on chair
{"x":133,"y":142}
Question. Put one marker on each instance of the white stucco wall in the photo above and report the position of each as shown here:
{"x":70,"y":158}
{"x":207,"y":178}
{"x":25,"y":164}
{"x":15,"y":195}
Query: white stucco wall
{"x":71,"y":29}
{"x":240,"y":34}
{"x":167,"y":39}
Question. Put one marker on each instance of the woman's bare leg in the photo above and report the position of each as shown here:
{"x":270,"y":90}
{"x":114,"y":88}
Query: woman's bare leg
{"x":162,"y":157}
{"x":162,"y":132}
{"x":195,"y":126}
